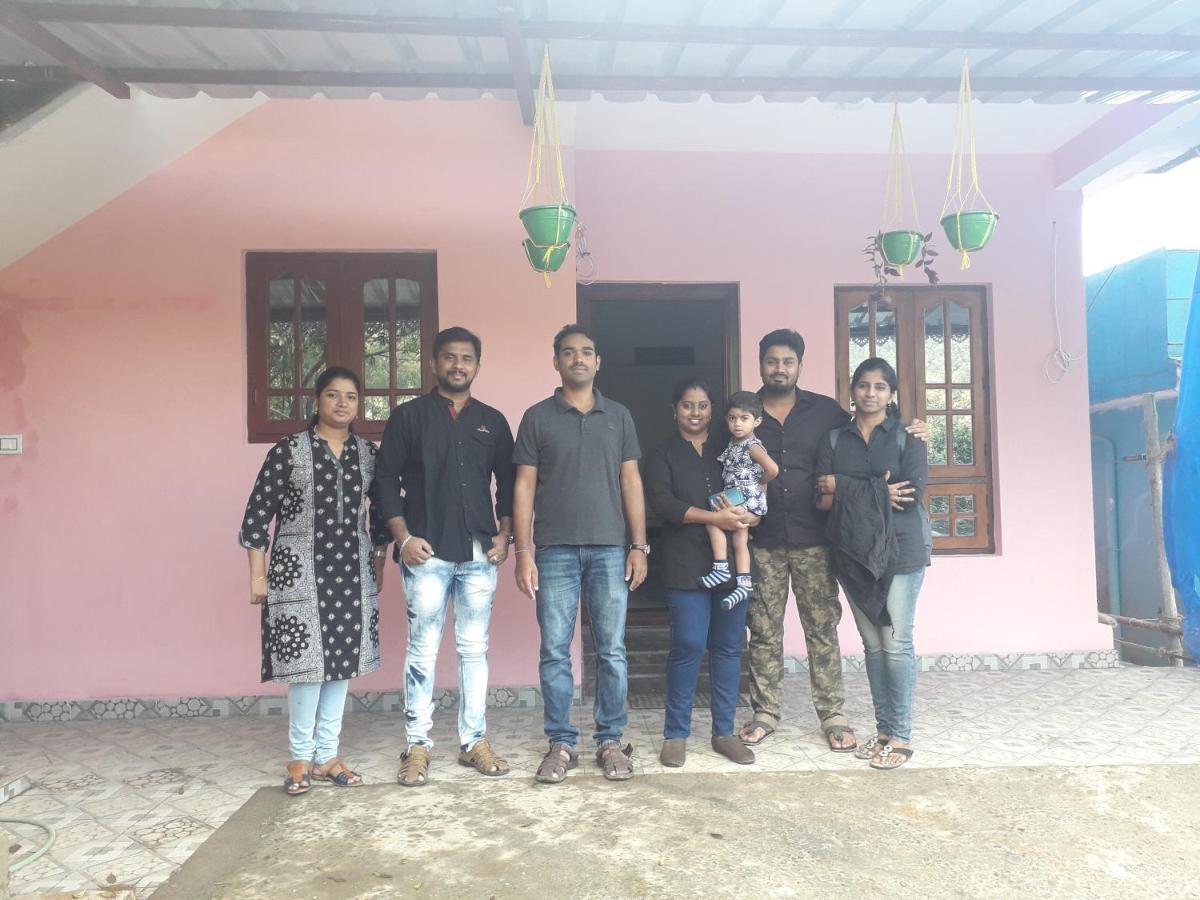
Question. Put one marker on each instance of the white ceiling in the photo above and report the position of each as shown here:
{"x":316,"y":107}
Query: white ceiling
{"x":815,"y":127}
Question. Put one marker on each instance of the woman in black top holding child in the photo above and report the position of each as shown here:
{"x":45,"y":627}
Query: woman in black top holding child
{"x":682,"y":474}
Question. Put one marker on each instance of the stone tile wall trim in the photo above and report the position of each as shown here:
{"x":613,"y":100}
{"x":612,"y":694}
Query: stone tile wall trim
{"x":447,"y":698}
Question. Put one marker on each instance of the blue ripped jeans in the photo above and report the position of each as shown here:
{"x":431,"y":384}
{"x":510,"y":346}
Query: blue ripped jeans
{"x":429,"y":589}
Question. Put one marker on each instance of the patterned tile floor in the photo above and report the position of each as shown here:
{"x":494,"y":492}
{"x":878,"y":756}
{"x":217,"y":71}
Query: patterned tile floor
{"x":131,"y":800}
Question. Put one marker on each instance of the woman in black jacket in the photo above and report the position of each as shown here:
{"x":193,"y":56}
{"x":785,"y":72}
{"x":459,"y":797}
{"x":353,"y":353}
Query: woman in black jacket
{"x":872,"y":478}
{"x":681,"y":474}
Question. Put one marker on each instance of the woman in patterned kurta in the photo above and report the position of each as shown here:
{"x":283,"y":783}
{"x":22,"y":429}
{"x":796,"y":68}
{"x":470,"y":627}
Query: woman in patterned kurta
{"x":319,"y":594}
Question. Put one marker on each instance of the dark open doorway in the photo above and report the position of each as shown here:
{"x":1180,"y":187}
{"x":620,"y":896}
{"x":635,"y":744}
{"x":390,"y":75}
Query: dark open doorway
{"x":649,"y":337}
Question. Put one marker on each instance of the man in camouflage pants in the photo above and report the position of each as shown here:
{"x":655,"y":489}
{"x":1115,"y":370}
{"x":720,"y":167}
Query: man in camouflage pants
{"x":789,"y":547}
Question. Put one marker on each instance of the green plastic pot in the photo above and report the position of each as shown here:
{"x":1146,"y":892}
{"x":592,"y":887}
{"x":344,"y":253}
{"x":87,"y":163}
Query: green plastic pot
{"x":900,"y":248}
{"x":548,"y":258}
{"x":970,"y":231}
{"x":547,"y":225}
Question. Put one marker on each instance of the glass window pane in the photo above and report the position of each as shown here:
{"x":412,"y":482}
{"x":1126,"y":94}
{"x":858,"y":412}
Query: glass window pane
{"x":964,"y":503}
{"x":408,"y":353}
{"x":940,"y":527}
{"x":376,"y":346}
{"x":960,"y":343}
{"x":885,"y":335}
{"x":307,"y":406}
{"x":939,"y":503}
{"x":937,"y":440}
{"x":408,"y":297}
{"x":964,"y":528}
{"x":935,"y":352}
{"x":964,"y":441}
{"x":935,"y":399}
{"x":281,"y":408}
{"x":312,"y":329}
{"x":377,"y":408}
{"x":961,"y":398}
{"x":859,"y":320}
{"x":281,"y":334}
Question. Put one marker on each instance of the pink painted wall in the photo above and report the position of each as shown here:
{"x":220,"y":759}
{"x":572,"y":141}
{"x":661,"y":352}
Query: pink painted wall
{"x":788,"y":228}
{"x":122,"y":361}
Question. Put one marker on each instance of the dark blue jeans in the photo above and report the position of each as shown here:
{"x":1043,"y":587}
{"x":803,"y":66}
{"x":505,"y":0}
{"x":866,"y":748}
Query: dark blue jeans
{"x":598,"y":573}
{"x":698,"y":621}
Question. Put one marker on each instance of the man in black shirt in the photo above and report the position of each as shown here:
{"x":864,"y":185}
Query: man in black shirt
{"x":790,"y":549}
{"x":443,"y":450}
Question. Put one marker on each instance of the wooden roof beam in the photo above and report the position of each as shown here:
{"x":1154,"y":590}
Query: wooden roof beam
{"x":518,"y":60}
{"x":35,"y":34}
{"x":614,"y":83}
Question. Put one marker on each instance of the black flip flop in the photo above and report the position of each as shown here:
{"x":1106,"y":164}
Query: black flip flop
{"x":839,"y":731}
{"x":766,"y":727}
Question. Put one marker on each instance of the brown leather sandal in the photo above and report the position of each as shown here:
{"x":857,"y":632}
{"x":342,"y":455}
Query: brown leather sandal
{"x":615,"y":760}
{"x":414,"y":766}
{"x":484,"y":760}
{"x":335,"y":772}
{"x":559,"y":759}
{"x":298,"y":780}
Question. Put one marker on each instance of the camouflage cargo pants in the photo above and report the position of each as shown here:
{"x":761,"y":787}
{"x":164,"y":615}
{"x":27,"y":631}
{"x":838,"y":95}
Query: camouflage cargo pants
{"x":812,"y":581}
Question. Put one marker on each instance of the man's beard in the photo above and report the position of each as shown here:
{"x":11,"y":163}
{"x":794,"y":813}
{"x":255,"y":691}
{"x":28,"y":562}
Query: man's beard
{"x":450,"y":388}
{"x":771,"y":387}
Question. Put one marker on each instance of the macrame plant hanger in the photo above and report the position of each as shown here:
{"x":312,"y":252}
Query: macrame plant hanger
{"x":967,"y":217}
{"x":545,"y":211}
{"x":899,"y":240}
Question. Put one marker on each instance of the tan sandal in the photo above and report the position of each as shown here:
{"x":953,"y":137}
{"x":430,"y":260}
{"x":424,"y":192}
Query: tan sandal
{"x":335,"y":772}
{"x":298,"y":780}
{"x":484,"y":760}
{"x":414,"y":766}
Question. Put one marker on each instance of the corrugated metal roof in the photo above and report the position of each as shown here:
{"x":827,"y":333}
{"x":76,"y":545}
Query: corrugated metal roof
{"x":1043,"y":50}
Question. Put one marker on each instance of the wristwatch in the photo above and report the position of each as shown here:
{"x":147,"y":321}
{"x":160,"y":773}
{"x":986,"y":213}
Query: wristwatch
{"x":645,"y":548}
{"x":512,"y":538}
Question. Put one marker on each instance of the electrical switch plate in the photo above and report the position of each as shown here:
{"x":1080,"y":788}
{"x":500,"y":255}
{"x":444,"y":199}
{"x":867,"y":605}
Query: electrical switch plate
{"x":11,"y":444}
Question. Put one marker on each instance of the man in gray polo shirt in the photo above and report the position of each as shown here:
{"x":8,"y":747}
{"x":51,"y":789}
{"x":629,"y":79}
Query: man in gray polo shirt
{"x":578,"y":495}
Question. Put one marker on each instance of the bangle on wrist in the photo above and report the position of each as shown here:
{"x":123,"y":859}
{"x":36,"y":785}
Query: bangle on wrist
{"x":522,"y":551}
{"x":405,"y":541}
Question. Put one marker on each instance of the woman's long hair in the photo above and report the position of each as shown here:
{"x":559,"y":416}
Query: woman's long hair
{"x":883,"y":367}
{"x":323,"y":381}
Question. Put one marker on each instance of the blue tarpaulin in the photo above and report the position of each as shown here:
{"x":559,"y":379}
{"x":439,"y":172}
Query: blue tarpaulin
{"x":1181,"y":487}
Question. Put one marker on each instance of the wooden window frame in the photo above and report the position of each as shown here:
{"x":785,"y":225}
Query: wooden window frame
{"x":344,"y":275}
{"x":910,"y":304}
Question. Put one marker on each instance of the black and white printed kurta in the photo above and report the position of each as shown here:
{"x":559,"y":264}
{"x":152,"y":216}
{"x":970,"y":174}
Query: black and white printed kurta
{"x":321,"y":618}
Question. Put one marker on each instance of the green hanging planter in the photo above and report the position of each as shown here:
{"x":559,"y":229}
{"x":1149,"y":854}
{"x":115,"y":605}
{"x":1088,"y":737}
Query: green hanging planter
{"x":970,"y":231}
{"x":900,"y":248}
{"x":550,"y":224}
{"x":546,"y":258}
